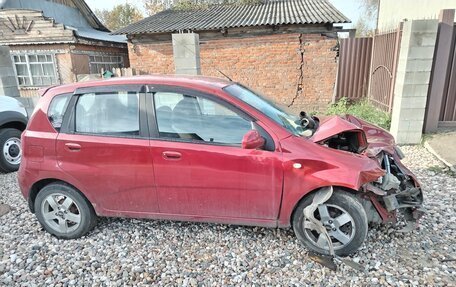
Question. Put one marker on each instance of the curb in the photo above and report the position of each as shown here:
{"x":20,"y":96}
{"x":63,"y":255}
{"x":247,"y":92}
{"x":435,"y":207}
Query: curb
{"x":431,"y":150}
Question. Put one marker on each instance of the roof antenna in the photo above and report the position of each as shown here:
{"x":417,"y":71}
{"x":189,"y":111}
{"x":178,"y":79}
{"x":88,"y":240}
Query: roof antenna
{"x":225,"y":75}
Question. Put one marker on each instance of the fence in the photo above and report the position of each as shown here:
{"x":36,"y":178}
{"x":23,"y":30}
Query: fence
{"x":385,"y":53}
{"x":448,"y":108}
{"x":367,"y":68}
{"x":441,"y":98}
{"x":354,"y":66}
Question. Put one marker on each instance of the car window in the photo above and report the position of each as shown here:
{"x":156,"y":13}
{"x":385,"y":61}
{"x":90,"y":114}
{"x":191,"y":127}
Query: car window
{"x":267,"y":107}
{"x":108,"y":113}
{"x":198,"y":119}
{"x":57,"y":109}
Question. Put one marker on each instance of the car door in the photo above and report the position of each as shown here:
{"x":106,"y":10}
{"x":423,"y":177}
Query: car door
{"x":104,"y":147}
{"x":200,"y":168}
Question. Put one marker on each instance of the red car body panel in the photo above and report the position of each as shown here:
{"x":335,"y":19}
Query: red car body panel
{"x":187,"y":181}
{"x":331,"y":126}
{"x":119,"y":171}
{"x":320,"y":169}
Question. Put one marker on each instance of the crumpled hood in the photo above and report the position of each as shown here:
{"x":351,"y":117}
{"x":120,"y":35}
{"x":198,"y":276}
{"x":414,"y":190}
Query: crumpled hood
{"x":378,"y":139}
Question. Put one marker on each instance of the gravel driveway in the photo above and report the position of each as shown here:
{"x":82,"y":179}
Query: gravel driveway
{"x":128,"y":252}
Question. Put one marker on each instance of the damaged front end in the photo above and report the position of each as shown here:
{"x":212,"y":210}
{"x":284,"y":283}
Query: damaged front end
{"x":398,"y":189}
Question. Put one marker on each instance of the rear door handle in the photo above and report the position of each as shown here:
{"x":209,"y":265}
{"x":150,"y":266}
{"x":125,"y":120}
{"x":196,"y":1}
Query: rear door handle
{"x":73,"y":146}
{"x":173,"y":155}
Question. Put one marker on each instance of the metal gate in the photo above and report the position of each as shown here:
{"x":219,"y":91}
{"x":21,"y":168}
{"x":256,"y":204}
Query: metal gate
{"x":386,"y":47}
{"x":354,"y":66}
{"x":448,"y":109}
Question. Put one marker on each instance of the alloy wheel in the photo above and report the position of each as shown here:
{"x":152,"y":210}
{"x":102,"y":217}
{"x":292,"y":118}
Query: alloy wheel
{"x":61,"y":213}
{"x":339,"y":224}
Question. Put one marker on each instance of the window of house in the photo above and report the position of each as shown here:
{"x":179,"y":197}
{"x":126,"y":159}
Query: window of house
{"x":198,"y":119}
{"x":35,"y":70}
{"x":104,"y":62}
{"x":108,"y":114}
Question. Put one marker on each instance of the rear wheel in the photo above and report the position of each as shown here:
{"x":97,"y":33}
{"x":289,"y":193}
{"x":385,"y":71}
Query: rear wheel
{"x":344,"y":218}
{"x":10,"y":147}
{"x":64,"y":212}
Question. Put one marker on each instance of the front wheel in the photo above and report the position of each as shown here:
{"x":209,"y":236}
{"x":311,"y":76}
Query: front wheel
{"x":64,"y":212}
{"x":10,"y":147}
{"x":344,"y":218}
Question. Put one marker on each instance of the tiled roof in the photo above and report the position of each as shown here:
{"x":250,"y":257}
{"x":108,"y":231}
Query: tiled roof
{"x":272,"y":12}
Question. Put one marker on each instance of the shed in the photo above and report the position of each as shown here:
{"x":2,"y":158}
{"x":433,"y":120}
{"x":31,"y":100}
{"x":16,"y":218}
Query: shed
{"x":286,"y":49}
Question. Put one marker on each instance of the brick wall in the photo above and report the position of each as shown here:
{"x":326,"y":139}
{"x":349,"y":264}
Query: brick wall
{"x":156,"y":58}
{"x":269,"y":64}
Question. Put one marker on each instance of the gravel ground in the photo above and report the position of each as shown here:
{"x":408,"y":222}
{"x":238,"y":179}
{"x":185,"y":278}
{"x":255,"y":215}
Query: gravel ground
{"x":128,"y":252}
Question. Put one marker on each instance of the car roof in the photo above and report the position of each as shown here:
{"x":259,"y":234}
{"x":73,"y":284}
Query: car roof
{"x":177,"y":80}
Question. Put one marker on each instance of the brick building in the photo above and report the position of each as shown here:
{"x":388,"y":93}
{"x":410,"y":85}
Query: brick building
{"x":285,"y":49}
{"x":56,"y":42}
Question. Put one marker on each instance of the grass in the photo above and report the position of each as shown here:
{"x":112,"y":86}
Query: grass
{"x":363,"y":110}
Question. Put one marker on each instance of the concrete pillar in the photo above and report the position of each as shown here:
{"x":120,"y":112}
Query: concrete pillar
{"x":412,"y":80}
{"x":8,"y":82}
{"x":186,"y":53}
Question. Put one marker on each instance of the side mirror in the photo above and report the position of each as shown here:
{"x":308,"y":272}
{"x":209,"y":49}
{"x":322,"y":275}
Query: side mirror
{"x":253,"y":140}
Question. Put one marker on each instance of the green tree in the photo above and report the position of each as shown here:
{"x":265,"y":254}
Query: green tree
{"x":120,"y":16}
{"x":154,"y":6}
{"x":365,"y":26}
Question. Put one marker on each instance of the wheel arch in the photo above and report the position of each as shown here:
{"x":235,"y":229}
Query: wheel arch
{"x":11,"y":119}
{"x":18,"y":125}
{"x":39,"y":185}
{"x":335,"y":187}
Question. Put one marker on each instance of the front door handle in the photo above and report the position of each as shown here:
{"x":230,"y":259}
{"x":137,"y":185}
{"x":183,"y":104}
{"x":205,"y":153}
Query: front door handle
{"x":73,"y":146}
{"x":173,"y":155}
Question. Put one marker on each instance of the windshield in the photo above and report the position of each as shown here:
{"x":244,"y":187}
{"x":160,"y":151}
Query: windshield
{"x":267,"y":107}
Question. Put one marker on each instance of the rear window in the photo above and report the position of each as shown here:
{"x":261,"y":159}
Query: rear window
{"x":57,"y":110}
{"x":108,"y":114}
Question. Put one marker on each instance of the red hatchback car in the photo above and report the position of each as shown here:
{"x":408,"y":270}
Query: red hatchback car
{"x":207,"y":149}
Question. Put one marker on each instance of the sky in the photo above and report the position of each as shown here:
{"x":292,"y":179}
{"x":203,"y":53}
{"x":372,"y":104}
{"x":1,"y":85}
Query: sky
{"x":350,"y":8}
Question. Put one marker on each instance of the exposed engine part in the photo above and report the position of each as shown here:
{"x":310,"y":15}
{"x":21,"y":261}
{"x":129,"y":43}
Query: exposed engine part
{"x":396,"y":191}
{"x":347,"y":141}
{"x":308,"y":122}
{"x":391,"y":202}
{"x":389,"y":181}
{"x":374,"y":189}
{"x":371,"y":212}
{"x":403,"y":199}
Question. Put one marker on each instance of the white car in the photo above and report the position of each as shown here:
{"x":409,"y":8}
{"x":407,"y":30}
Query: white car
{"x":13,"y":121}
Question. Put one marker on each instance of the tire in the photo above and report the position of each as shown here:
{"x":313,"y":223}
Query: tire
{"x":59,"y":202}
{"x":10,"y":148}
{"x":350,"y":235}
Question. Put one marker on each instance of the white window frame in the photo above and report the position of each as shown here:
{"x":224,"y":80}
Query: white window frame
{"x":29,"y":76}
{"x":111,"y":63}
